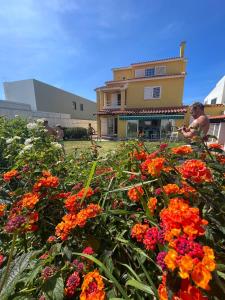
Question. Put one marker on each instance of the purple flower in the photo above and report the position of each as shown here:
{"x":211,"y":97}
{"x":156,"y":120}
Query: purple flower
{"x":161,"y":237}
{"x":160,"y":259}
{"x":14,"y":223}
{"x":47,"y":273}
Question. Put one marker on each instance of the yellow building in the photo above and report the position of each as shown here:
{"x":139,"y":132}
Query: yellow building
{"x":143,"y":97}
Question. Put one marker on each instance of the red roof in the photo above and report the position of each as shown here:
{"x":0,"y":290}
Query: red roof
{"x":145,"y":111}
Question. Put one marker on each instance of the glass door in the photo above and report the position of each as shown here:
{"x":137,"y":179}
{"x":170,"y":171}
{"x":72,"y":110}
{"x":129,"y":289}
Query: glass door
{"x":132,"y":128}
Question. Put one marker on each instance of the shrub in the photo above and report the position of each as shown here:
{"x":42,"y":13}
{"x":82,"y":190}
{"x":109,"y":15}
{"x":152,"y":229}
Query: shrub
{"x":133,"y":225}
{"x":75,"y":133}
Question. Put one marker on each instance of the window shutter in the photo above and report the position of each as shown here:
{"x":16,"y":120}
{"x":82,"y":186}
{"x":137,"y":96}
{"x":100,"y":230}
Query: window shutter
{"x":148,"y":93}
{"x":140,"y":73}
{"x":161,"y":70}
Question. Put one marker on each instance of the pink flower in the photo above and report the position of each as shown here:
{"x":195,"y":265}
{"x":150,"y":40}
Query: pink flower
{"x":88,"y":250}
{"x":72,"y":283}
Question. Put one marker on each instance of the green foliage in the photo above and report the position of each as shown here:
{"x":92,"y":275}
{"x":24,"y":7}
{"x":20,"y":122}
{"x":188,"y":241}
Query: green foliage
{"x":128,"y":269}
{"x":75,"y":133}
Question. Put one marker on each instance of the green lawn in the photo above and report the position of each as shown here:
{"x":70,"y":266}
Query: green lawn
{"x":71,"y":146}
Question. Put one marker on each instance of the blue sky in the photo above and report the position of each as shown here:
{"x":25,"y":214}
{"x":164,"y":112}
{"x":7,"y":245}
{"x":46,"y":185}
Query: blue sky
{"x":73,"y":44}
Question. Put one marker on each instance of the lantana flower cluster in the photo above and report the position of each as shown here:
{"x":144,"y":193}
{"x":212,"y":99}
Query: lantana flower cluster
{"x":78,"y":213}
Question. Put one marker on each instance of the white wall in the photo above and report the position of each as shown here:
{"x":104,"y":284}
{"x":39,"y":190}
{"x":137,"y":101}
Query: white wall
{"x":218,"y":92}
{"x":21,"y":91}
{"x":11,"y":109}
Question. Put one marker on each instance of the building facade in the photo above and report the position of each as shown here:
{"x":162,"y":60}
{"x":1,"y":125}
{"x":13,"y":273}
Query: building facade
{"x":143,"y":97}
{"x":217,"y":95}
{"x":44,"y":97}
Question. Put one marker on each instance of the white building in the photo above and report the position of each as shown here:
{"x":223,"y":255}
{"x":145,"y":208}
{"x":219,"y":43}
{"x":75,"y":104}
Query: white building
{"x":217,"y":95}
{"x":33,"y":100}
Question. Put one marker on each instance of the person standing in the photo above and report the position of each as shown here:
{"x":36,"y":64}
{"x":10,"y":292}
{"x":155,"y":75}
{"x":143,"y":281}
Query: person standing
{"x":50,"y":130}
{"x":59,"y":133}
{"x":200,"y":123}
{"x":90,"y":131}
{"x":60,"y":136}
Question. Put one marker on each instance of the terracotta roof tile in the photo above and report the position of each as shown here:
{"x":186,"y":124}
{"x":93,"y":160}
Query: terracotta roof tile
{"x":145,"y":111}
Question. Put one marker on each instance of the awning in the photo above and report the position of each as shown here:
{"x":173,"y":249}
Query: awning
{"x":152,"y":117}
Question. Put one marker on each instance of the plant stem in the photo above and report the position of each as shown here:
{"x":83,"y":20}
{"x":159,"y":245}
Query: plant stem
{"x":9,"y":261}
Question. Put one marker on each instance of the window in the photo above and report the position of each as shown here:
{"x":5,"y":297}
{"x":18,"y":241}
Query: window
{"x":150,"y":72}
{"x":213,"y":101}
{"x":108,"y":101}
{"x":152,"y":93}
{"x":81,"y":106}
{"x":160,"y":70}
{"x":123,"y":77}
{"x":156,"y":92}
{"x":118,"y":99}
{"x":74,"y":105}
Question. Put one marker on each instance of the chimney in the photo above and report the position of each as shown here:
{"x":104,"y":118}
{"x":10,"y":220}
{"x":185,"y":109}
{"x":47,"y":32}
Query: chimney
{"x":182,"y":47}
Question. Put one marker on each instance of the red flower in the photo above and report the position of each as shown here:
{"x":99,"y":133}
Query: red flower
{"x":72,"y":284}
{"x":138,"y":231}
{"x":9,"y":175}
{"x":196,"y":171}
{"x":151,"y":238}
{"x":88,"y":250}
{"x":135,"y":193}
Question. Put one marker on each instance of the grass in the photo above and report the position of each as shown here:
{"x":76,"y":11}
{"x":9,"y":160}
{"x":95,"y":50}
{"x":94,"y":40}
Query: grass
{"x":106,"y":146}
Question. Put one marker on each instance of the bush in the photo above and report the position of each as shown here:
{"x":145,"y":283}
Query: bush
{"x":75,"y":133}
{"x":135,"y":224}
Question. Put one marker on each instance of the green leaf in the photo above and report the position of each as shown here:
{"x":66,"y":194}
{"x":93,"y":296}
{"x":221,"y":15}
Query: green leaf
{"x":54,"y":288}
{"x":140,"y":286}
{"x":126,"y":188}
{"x":221,"y":274}
{"x":91,"y":174}
{"x":15,"y":273}
{"x":132,"y":271}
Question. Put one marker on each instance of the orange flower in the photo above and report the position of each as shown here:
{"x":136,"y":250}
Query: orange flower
{"x":2,"y":209}
{"x":208,"y":259}
{"x":162,"y":292}
{"x":48,"y":182}
{"x":171,"y":188}
{"x":139,"y":155}
{"x":68,"y":223}
{"x":181,"y":150}
{"x":189,"y":292}
{"x":29,"y":200}
{"x":162,"y":289}
{"x":87,"y":192}
{"x":180,"y":216}
{"x":201,"y":276}
{"x":215,"y":146}
{"x":170,"y":259}
{"x":138,"y":231}
{"x":135,"y":193}
{"x":46,"y":173}
{"x":91,"y":211}
{"x":9,"y":175}
{"x":221,"y":158}
{"x":185,"y":266}
{"x":152,"y":202}
{"x":155,"y":166}
{"x":187,"y":190}
{"x":196,"y":171}
{"x":71,"y":204}
{"x":92,"y":287}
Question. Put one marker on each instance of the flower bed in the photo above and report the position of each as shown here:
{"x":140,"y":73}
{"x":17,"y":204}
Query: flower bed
{"x":133,"y":224}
